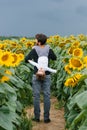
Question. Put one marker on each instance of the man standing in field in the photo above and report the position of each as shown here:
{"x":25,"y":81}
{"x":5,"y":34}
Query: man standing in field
{"x":41,"y":79}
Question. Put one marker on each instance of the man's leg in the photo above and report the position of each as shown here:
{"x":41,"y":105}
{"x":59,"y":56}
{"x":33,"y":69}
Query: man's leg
{"x":46,"y":90}
{"x":36,"y":94}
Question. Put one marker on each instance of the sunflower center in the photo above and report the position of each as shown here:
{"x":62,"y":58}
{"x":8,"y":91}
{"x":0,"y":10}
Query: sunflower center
{"x":76,"y":63}
{"x":5,"y":57}
{"x":77,"y":52}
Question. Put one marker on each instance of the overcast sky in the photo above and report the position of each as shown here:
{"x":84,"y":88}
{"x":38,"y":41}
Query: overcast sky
{"x":51,"y":17}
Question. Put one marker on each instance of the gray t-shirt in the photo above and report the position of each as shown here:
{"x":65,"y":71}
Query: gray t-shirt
{"x":42,"y":51}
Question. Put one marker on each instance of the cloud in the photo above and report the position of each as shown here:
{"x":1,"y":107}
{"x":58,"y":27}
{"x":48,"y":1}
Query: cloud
{"x":26,"y":17}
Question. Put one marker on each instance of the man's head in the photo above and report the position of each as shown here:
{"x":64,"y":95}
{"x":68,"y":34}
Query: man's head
{"x":41,"y":38}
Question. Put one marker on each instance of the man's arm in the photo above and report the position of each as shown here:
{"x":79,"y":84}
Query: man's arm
{"x":52,"y":55}
{"x":32,"y":55}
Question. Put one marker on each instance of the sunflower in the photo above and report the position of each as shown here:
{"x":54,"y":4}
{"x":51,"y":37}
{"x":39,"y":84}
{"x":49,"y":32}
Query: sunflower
{"x":78,"y":52}
{"x":16,"y":60}
{"x":21,"y":56}
{"x":68,"y":40}
{"x":1,"y":52}
{"x":4,"y":45}
{"x":67,"y":69}
{"x":1,"y":46}
{"x":23,"y":39}
{"x":49,"y":40}
{"x":19,"y":51}
{"x":72,"y":37}
{"x":6,"y":78}
{"x":53,"y":39}
{"x":85,"y":61}
{"x":29,"y":44}
{"x":75,"y":63}
{"x":76,"y":43}
{"x":6,"y":58}
{"x":13,"y":45}
{"x":8,"y":72}
{"x":70,"y":82}
{"x":81,"y":37}
{"x":77,"y":76}
{"x":71,"y":49}
{"x":62,"y":44}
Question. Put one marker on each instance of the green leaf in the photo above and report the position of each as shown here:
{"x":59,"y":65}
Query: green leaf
{"x":71,"y":116}
{"x":81,"y":100}
{"x":85,"y":81}
{"x":24,"y":68}
{"x":8,"y":88}
{"x":2,"y":90}
{"x":84,"y":125}
{"x":5,"y":120}
{"x":17,"y":82}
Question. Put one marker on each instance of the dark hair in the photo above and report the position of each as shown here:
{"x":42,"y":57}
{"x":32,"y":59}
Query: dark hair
{"x":41,"y":38}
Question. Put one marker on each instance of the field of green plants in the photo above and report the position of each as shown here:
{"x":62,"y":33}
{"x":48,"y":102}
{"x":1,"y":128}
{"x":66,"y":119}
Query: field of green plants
{"x":69,"y":84}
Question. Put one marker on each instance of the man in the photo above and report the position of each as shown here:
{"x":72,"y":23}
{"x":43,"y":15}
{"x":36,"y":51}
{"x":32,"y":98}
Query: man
{"x":41,"y":49}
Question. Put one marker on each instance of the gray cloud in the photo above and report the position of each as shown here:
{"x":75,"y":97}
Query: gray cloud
{"x":27,"y":17}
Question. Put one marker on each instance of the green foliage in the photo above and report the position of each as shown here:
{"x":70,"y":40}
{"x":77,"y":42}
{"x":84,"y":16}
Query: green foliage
{"x":14,"y":96}
{"x":73,"y":99}
{"x":8,"y":115}
{"x":59,"y":77}
{"x":24,"y":75}
{"x":26,"y":124}
{"x":76,"y":107}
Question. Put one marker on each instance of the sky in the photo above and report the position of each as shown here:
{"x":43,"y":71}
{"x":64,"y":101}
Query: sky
{"x":51,"y":17}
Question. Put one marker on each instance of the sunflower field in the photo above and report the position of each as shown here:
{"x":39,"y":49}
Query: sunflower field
{"x":69,"y":84}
